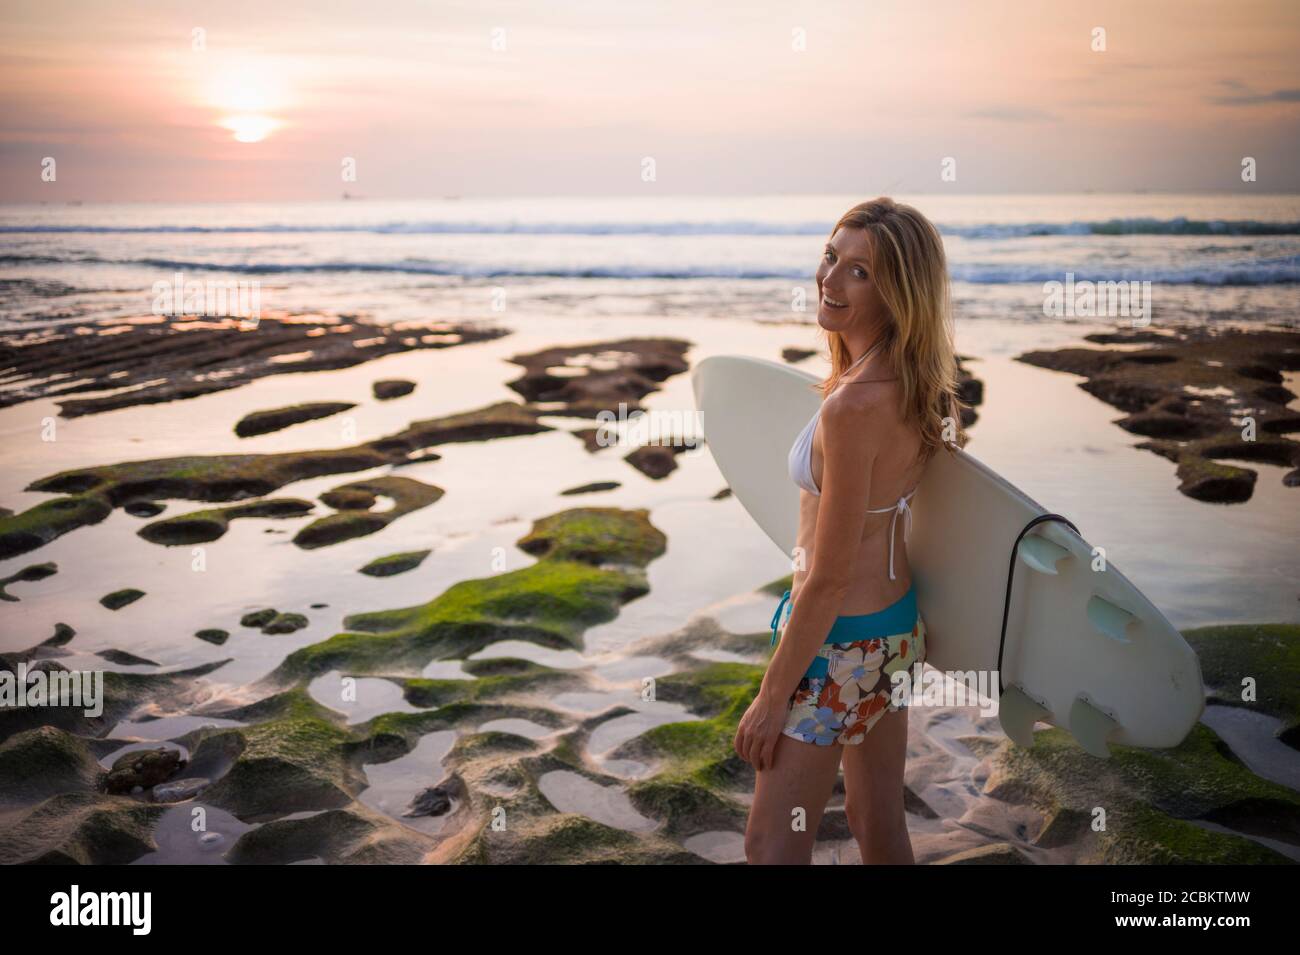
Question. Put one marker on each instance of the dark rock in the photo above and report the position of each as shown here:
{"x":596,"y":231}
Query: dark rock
{"x":122,"y":658}
{"x":144,"y":508}
{"x":285,"y":623}
{"x":794,"y":355}
{"x":143,"y":768}
{"x":389,"y":388}
{"x":31,"y":572}
{"x":120,"y":598}
{"x":214,"y":636}
{"x":199,"y":527}
{"x":1187,"y":396}
{"x":589,"y":488}
{"x":655,"y":461}
{"x":354,"y":501}
{"x":429,"y":802}
{"x":264,"y":422}
{"x":258,"y":618}
{"x":615,"y":371}
{"x":186,"y":357}
{"x":37,"y":526}
{"x":395,"y":563}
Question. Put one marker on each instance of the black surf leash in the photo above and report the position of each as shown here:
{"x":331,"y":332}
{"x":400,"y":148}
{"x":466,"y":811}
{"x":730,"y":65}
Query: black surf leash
{"x":1011,"y":575}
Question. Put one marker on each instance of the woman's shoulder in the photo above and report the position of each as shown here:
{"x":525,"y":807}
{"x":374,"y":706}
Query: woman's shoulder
{"x":856,"y":399}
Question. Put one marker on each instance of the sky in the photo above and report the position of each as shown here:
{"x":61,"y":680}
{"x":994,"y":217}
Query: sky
{"x":237,"y":100}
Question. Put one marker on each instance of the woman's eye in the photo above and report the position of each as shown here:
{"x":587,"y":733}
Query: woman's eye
{"x":859,"y":273}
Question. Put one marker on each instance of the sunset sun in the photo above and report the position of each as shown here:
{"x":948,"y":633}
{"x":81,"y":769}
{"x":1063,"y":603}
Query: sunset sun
{"x":246,"y":97}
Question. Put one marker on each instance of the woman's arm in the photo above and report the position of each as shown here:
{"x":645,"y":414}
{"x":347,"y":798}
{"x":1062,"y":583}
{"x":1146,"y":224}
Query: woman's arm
{"x":848,"y":448}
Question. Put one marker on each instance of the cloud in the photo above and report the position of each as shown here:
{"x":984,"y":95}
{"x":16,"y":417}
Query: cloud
{"x":1016,"y":114}
{"x":1243,"y":95}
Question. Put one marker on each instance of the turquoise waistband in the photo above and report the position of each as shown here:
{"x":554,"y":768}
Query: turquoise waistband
{"x":898,"y":617}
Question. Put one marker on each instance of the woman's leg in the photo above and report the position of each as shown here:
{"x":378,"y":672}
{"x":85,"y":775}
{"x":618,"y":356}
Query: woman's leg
{"x":873,"y":791}
{"x":789,"y":800}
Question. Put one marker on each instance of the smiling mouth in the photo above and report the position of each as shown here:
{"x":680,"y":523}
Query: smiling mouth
{"x":832,"y":303}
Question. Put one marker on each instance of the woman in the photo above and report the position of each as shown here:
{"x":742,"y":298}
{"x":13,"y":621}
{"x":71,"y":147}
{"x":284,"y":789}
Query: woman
{"x":889,"y":403}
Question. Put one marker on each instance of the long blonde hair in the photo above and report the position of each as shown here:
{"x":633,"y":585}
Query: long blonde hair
{"x":909,"y":268}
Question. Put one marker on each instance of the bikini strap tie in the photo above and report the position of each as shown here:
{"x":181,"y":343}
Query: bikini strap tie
{"x":786,"y":605}
{"x":903,"y":508}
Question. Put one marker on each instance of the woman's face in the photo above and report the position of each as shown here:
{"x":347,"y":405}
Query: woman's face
{"x":847,"y":295}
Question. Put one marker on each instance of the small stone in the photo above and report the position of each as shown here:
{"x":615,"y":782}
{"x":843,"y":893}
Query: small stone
{"x":433,"y":801}
{"x":179,"y":789}
{"x":285,"y":623}
{"x":120,"y":598}
{"x":139,"y":769}
{"x":258,"y":618}
{"x":392,"y":388}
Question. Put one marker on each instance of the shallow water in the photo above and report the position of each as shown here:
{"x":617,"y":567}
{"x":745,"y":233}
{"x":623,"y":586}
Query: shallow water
{"x":1198,"y":563}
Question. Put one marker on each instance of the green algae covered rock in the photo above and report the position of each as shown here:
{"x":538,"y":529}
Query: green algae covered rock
{"x":590,"y":563}
{"x":1265,"y":657}
{"x":393,"y":564}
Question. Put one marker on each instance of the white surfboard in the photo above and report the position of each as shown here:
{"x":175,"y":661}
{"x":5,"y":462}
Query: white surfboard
{"x":1084,"y":649}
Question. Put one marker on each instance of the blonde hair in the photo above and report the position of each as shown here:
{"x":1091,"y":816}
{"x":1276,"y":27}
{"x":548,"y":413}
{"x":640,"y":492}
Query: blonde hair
{"x":909,"y":268}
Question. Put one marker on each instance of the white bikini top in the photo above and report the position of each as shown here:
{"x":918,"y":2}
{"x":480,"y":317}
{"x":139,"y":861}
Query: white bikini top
{"x":800,"y":467}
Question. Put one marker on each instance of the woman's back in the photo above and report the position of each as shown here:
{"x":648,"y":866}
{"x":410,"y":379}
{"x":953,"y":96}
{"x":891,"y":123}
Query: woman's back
{"x":895,"y":473}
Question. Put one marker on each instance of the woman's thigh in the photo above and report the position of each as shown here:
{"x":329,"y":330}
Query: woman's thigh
{"x":789,"y":800}
{"x":873,"y":771}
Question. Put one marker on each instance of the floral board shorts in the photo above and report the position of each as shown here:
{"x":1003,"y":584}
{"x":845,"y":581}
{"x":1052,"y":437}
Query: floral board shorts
{"x":847,"y":688}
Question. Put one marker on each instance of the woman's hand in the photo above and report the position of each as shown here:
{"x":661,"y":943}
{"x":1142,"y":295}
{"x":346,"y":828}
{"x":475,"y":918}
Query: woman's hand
{"x":759,"y":730}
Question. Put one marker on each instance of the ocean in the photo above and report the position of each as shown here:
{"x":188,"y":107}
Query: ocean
{"x":1210,"y":258}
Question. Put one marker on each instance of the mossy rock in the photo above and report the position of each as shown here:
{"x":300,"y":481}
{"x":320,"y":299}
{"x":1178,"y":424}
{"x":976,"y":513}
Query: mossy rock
{"x":264,"y":422}
{"x":355,"y":520}
{"x":120,"y":598}
{"x":395,"y":563}
{"x":30,"y":573}
{"x":122,"y":694}
{"x":258,"y":618}
{"x":198,"y":527}
{"x":38,"y":525}
{"x":80,"y":828}
{"x":302,"y":758}
{"x":551,"y":602}
{"x":44,"y":762}
{"x":1151,"y":797}
{"x":570,"y":839}
{"x":701,"y":751}
{"x":213,"y":635}
{"x":285,"y":623}
{"x":352,"y":835}
{"x":596,"y":535}
{"x":143,"y":768}
{"x":1268,"y":654}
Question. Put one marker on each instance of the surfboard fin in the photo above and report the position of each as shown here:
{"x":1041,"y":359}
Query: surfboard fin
{"x":1090,"y":727}
{"x":1040,"y":554}
{"x":1018,"y":712}
{"x":1111,"y":620}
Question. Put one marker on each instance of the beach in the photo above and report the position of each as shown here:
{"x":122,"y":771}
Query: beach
{"x":463,"y":706}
